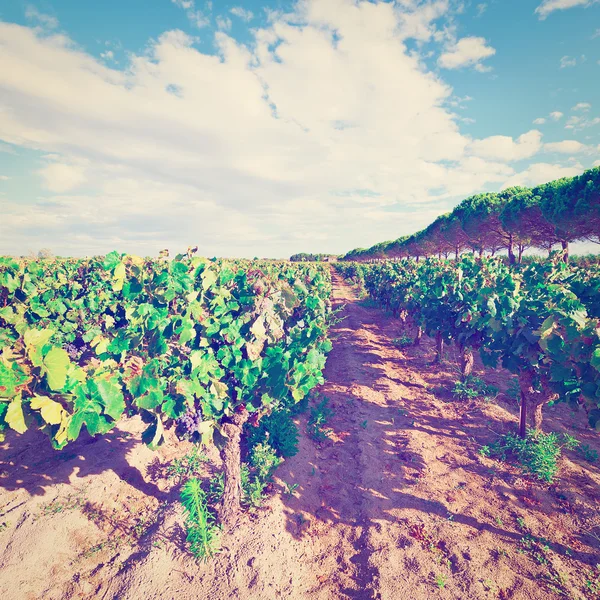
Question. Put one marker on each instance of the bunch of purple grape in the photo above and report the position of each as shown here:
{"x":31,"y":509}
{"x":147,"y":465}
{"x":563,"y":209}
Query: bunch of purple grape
{"x":188,"y":426}
{"x":79,"y":351}
{"x":73,"y":351}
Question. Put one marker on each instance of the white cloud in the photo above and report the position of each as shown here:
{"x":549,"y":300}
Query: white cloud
{"x":481,"y":8}
{"x":582,"y":106}
{"x":60,"y":177}
{"x":539,"y":173}
{"x":48,"y":21}
{"x":195,"y":17}
{"x":417,"y":21}
{"x":596,"y":163}
{"x":467,"y":52}
{"x":4,"y":177}
{"x":596,"y":34}
{"x":505,"y":148}
{"x":242,"y":13}
{"x":271,"y":161}
{"x":556,"y":115}
{"x":223,"y":23}
{"x":549,"y":6}
{"x":539,"y":121}
{"x":576,"y":123}
{"x":567,"y":62}
{"x":566,"y":147}
{"x":108,"y":55}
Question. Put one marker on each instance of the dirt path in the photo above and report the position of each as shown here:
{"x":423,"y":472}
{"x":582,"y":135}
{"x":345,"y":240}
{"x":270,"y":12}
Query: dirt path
{"x":397,"y":504}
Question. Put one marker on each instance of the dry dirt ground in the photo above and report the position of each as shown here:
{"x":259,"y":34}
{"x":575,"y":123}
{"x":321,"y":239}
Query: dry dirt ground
{"x":397,"y":504}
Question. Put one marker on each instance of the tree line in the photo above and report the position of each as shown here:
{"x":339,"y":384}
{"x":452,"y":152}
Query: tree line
{"x":518,"y":218}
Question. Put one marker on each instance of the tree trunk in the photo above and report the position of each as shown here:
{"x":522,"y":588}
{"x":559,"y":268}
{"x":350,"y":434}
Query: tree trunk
{"x":537,"y":416}
{"x":535,"y":398}
{"x":439,"y":347}
{"x":523,"y":421}
{"x":521,"y":250}
{"x":511,"y":252}
{"x":418,"y":336}
{"x":565,"y":249}
{"x":526,"y":387}
{"x":230,"y":453}
{"x":466,"y":361}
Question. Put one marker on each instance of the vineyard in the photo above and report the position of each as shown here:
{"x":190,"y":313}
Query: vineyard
{"x":181,"y":413}
{"x":541,"y":322}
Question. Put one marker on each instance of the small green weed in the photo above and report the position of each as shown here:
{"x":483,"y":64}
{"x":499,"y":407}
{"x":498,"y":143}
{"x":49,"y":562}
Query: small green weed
{"x":200,"y":523}
{"x":592,"y":584}
{"x":441,"y":581}
{"x":290,"y":488}
{"x":317,"y":421}
{"x":537,"y":454}
{"x":186,"y":466}
{"x":59,"y":505}
{"x":279,"y":430}
{"x":403,"y":342}
{"x":257,"y":475}
{"x":588,"y":453}
{"x":364,"y":424}
{"x":473,"y":387}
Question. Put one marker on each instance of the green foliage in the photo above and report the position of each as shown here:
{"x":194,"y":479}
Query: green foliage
{"x":201,"y":528}
{"x":278,"y":429}
{"x":290,"y":488}
{"x":256,"y":475}
{"x":473,"y":387}
{"x":317,"y":421}
{"x":187,"y":466}
{"x":537,"y":454}
{"x":558,"y":212}
{"x":540,"y":321}
{"x":592,"y":584}
{"x":264,"y":461}
{"x":403,"y":342}
{"x":514,"y":391}
{"x":307,"y":257}
{"x":464,"y":391}
{"x":588,"y":453}
{"x":83,"y":342}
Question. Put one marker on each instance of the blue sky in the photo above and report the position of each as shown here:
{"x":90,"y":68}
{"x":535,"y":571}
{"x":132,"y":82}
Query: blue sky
{"x":263,"y":129}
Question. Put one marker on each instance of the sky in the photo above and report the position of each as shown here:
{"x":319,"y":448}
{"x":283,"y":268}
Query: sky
{"x":268,"y":128}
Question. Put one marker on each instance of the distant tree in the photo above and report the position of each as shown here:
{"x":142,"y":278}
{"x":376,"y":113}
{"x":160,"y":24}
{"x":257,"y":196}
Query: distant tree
{"x":572,"y":205}
{"x":453,"y":233}
{"x":45,"y":253}
{"x":523,"y":217}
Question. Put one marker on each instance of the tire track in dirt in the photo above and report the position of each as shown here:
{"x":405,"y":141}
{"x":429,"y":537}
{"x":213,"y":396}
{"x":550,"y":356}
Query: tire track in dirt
{"x":364,"y":417}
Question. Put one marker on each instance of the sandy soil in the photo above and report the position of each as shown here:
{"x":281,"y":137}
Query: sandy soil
{"x":398,"y":504}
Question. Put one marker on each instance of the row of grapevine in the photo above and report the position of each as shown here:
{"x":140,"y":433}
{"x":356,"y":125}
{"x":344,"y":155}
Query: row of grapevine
{"x":556,"y":213}
{"x":203,"y":345}
{"x":540,"y":321}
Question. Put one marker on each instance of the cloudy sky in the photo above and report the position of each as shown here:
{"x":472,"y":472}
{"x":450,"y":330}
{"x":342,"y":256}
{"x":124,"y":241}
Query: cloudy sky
{"x":264,"y":129}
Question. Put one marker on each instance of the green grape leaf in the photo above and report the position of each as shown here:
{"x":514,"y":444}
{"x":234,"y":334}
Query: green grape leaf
{"x":14,"y":415}
{"x":56,"y":364}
